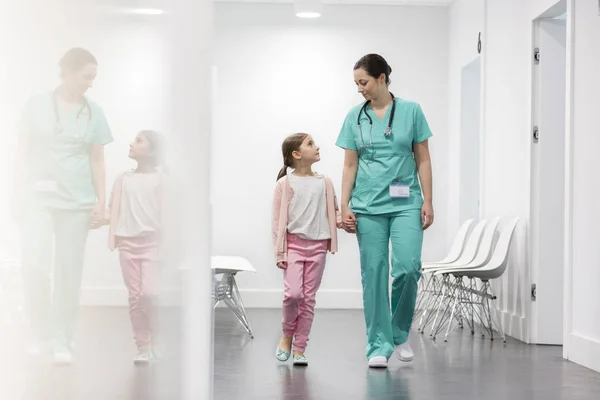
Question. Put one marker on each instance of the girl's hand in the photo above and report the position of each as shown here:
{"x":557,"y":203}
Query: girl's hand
{"x":348,"y":220}
{"x":282,"y":265}
{"x":426,"y":215}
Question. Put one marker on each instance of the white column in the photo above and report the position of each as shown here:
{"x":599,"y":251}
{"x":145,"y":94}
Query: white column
{"x":190,"y":28}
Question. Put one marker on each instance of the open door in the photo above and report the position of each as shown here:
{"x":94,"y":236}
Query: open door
{"x":548,"y":178}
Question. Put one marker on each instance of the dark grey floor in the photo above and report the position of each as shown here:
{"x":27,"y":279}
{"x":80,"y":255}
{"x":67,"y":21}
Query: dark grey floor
{"x":465,"y":368}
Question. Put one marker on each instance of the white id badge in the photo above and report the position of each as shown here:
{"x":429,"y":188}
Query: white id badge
{"x":46,"y":186}
{"x":398,"y":190}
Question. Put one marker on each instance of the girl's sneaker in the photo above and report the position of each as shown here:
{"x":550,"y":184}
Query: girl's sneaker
{"x":300,"y":360}
{"x":142,"y":358}
{"x":282,"y":355}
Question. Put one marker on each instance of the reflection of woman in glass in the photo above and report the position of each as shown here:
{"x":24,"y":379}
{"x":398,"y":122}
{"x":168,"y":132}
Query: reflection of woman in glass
{"x":61,"y":191}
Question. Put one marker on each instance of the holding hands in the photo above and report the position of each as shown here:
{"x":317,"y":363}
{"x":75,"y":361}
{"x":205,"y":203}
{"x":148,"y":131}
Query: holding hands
{"x":348,"y":222}
{"x":98,"y":217}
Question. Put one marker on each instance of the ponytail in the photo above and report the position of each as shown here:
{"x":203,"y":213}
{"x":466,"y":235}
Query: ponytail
{"x":282,"y":172}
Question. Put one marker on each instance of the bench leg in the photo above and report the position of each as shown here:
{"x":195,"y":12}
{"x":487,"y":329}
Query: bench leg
{"x":236,"y":305}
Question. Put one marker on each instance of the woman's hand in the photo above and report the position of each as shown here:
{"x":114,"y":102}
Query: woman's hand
{"x":348,"y":220}
{"x":97,"y":218}
{"x":282,"y":265}
{"x":427,"y":215}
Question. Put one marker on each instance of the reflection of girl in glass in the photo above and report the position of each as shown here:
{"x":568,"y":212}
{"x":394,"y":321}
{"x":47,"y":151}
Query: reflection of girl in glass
{"x":136,"y":212}
{"x":60,"y":193}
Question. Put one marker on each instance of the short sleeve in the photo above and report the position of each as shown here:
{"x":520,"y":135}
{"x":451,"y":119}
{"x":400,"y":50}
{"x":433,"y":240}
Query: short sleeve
{"x":346,"y":139}
{"x":102,"y":133}
{"x":421,"y":127}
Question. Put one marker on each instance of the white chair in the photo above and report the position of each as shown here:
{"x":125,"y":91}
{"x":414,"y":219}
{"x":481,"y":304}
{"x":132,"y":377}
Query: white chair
{"x":450,"y":291}
{"x":226,"y":289}
{"x":457,"y":245}
{"x":426,"y":289}
{"x":492,"y":269}
{"x":437,"y":289}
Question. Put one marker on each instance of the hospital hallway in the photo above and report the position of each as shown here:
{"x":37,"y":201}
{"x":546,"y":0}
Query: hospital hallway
{"x":465,"y":368}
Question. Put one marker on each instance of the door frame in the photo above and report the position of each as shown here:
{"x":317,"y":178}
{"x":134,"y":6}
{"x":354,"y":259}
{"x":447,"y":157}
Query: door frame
{"x":568,"y":176}
{"x":568,"y":217}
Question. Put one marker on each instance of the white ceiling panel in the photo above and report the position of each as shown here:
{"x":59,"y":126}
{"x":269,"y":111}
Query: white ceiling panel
{"x":439,"y":3}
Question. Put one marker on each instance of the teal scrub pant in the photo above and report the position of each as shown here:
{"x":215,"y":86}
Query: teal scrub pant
{"x":52,"y":299}
{"x":387,"y":329}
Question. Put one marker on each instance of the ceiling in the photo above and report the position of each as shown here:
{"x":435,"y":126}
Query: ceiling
{"x":440,"y":3}
{"x":159,"y":3}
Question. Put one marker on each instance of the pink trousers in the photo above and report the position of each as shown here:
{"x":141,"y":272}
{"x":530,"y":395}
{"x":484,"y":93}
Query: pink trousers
{"x":302,"y":278}
{"x":139,"y":258}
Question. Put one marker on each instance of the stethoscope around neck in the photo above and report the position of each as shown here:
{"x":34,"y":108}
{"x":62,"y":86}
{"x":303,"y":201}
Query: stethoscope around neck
{"x":388,"y":130}
{"x":86,"y":107}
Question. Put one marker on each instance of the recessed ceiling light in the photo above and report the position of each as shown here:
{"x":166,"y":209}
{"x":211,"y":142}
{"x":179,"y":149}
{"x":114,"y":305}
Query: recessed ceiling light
{"x":308,"y":8}
{"x":147,"y":11}
{"x":308,"y":14}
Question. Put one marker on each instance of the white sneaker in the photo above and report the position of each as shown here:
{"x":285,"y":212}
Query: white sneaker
{"x":63,"y":358}
{"x":142,"y":358}
{"x":378,"y":362}
{"x":405,"y":352}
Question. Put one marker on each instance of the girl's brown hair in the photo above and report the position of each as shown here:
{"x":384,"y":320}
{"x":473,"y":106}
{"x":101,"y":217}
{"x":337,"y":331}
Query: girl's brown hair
{"x":291,"y":144}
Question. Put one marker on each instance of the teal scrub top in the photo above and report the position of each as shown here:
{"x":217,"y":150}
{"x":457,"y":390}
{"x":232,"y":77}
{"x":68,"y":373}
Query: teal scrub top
{"x":62,"y":155}
{"x":389,"y":160}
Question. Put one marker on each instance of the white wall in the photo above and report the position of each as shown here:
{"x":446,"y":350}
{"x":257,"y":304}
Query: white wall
{"x":466,"y":20}
{"x":583,"y":340}
{"x":277,"y":75}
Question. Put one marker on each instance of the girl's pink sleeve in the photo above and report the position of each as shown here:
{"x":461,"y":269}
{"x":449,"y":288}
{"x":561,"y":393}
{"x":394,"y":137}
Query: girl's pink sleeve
{"x":276,"y":209}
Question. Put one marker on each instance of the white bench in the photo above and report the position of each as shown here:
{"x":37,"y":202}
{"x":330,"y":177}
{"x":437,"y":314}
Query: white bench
{"x":226,"y":289}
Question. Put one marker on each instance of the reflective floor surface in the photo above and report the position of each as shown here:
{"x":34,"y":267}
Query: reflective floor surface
{"x":466,"y":367}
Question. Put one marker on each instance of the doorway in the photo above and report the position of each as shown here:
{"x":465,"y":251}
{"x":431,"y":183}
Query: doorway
{"x":470,"y":139}
{"x":548,"y":175}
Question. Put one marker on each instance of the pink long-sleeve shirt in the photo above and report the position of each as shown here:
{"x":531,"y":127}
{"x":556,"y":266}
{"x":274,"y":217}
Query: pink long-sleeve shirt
{"x":281,"y":202}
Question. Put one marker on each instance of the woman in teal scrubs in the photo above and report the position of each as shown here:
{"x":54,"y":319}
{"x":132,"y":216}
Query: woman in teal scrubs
{"x":60,"y":194}
{"x":386,"y":195}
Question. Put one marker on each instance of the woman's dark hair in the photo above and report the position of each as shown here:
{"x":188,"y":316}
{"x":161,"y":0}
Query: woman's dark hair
{"x":375,"y":65}
{"x":75,"y":59}
{"x":291,"y":144}
{"x":156,"y":143}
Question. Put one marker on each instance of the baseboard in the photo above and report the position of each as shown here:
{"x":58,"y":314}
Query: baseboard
{"x":252,"y":298}
{"x":584,"y":351}
{"x":515,"y":326}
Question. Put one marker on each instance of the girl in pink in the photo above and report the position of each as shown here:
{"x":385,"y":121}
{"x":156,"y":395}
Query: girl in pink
{"x":305,"y":219}
{"x":134,"y":229}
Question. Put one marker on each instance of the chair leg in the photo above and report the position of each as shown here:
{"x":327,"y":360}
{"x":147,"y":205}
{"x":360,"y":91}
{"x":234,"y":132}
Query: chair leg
{"x":493,"y":313}
{"x":429,"y":298}
{"x":457,"y":295}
